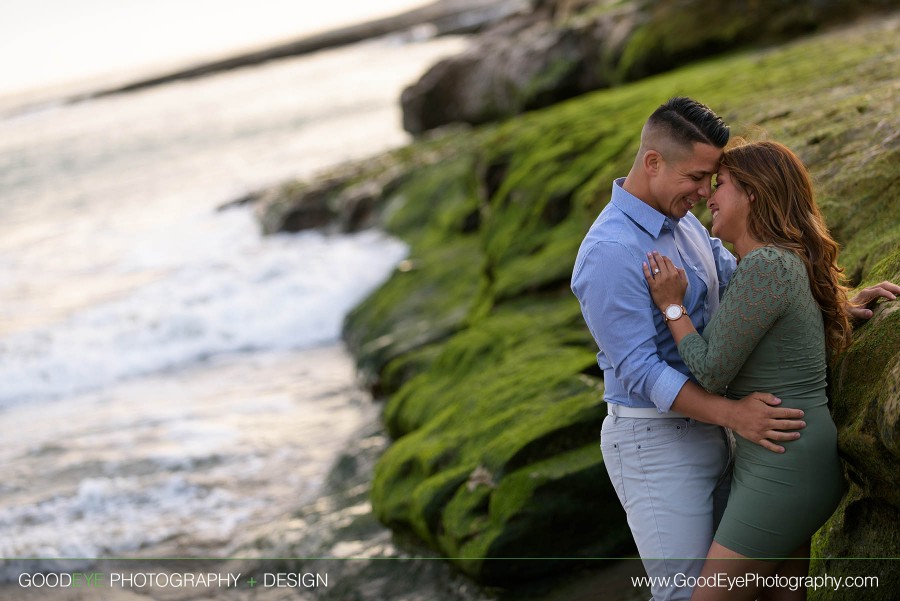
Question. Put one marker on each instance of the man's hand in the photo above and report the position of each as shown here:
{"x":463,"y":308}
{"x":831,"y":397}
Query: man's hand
{"x":861,"y":304}
{"x":757,"y":418}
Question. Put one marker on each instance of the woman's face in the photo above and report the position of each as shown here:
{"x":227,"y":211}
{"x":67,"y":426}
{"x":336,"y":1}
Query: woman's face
{"x":730,"y":207}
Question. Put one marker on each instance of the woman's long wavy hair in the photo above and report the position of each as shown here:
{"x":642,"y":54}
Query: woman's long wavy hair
{"x":786,"y":215}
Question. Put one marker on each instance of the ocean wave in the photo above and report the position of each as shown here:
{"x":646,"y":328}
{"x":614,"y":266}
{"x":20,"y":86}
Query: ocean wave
{"x":222,"y":289}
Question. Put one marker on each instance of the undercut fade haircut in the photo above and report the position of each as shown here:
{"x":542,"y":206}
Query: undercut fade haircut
{"x":687,"y":121}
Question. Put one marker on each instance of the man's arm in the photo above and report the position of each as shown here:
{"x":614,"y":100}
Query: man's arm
{"x":619,"y":312}
{"x":755,"y":417}
{"x":620,"y":315}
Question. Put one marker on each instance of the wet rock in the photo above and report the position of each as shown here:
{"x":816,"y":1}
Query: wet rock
{"x":340,"y":537}
{"x":341,"y":201}
{"x":350,"y":197}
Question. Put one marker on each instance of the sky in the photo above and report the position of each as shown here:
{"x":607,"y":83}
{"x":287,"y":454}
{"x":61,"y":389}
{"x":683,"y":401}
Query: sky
{"x":50,"y":42}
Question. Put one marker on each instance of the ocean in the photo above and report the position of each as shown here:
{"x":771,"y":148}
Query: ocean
{"x":168,"y":376}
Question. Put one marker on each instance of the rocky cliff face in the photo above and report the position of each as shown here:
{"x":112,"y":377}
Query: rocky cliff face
{"x":494,"y":400}
{"x":862,"y":535}
{"x":564,"y":48}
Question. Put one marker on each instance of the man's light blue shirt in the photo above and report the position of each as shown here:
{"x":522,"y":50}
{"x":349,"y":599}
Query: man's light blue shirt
{"x":640,"y":361}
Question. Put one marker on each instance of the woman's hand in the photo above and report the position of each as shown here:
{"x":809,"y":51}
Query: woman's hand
{"x":667,"y":282}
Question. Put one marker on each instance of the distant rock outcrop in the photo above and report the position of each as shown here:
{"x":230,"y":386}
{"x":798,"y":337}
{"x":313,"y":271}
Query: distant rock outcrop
{"x":567,"y":47}
{"x":441,"y":17}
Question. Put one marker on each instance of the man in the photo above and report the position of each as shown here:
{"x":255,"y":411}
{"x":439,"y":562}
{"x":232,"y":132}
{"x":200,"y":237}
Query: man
{"x":663,"y":443}
{"x":669,"y":463}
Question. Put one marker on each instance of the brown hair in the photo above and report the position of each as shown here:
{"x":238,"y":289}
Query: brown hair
{"x":786,"y":215}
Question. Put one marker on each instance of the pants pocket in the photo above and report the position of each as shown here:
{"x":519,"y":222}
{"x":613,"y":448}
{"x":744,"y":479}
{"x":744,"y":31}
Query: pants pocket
{"x":612,"y":459}
{"x":661,"y":432}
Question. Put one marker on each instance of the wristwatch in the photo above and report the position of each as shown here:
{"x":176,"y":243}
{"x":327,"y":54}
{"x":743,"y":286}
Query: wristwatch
{"x":674,"y":312}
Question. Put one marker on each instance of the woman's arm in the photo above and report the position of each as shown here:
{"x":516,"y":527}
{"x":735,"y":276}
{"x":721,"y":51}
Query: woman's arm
{"x":760,"y":292}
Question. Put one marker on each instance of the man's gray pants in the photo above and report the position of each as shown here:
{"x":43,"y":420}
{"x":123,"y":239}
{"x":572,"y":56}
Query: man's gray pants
{"x":672,"y":476}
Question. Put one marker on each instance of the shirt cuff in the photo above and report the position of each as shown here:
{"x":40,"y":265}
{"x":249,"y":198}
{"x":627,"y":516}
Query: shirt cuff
{"x":667,"y":387}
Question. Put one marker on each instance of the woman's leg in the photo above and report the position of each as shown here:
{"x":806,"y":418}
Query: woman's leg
{"x":796,"y":567}
{"x":722,"y":563}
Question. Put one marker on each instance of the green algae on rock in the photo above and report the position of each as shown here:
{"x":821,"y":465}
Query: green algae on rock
{"x":862,"y":538}
{"x":429,"y":296}
{"x":495,"y":400}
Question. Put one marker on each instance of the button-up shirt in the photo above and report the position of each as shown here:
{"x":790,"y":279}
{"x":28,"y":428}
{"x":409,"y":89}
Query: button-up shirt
{"x":640,"y":361}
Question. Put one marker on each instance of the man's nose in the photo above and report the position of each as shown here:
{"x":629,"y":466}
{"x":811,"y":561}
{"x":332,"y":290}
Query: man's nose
{"x":705,"y":188}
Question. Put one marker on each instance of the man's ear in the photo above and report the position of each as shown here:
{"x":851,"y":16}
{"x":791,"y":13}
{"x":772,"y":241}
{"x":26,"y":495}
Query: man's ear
{"x":652,"y":162}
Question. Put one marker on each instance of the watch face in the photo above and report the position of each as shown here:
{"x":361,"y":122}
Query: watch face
{"x":673,"y":311}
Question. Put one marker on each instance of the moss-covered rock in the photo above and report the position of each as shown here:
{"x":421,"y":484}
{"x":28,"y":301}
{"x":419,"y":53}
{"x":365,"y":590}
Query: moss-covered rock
{"x":498,"y":450}
{"x":429,"y":296}
{"x":658,"y":41}
{"x":563,"y":48}
{"x":495,"y":400}
{"x":862,"y":537}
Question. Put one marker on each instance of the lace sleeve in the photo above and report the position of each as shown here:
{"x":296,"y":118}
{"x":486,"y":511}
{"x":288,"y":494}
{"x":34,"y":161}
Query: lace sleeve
{"x":761,"y":290}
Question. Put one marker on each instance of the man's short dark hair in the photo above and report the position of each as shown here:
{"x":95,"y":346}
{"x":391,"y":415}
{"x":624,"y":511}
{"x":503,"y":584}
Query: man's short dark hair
{"x":690,"y":121}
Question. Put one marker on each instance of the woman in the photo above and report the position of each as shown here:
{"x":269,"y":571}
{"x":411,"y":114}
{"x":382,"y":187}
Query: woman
{"x":784,"y":312}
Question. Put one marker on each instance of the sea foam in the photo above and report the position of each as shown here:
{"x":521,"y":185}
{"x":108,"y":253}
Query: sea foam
{"x":220,"y":288}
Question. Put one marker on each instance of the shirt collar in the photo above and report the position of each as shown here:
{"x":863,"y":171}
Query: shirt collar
{"x":649,"y":219}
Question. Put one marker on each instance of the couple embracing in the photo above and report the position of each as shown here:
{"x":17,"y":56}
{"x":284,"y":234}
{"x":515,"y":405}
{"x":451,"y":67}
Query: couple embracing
{"x":719,"y":442}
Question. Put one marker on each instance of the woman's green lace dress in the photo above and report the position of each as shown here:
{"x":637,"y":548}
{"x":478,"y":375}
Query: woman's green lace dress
{"x":768,"y":336}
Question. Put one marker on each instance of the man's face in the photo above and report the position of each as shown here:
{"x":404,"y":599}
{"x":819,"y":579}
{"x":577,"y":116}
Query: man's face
{"x":682,"y":181}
